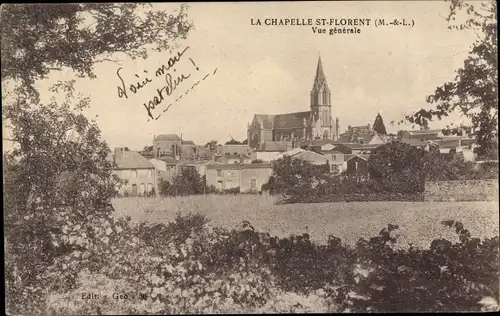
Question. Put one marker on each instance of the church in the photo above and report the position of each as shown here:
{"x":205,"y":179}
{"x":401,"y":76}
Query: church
{"x":317,"y":123}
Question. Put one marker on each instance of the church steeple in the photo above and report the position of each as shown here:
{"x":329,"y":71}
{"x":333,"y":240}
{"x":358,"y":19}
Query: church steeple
{"x":320,"y":78}
{"x":321,"y":106}
{"x":320,"y":93}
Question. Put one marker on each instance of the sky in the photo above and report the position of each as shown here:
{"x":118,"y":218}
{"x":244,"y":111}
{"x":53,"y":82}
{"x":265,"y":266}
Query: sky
{"x":270,"y":69}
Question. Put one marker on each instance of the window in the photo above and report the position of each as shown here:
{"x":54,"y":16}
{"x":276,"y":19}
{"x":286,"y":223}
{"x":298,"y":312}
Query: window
{"x":150,"y":173}
{"x":219,"y":172}
{"x":253,"y":184}
{"x":334,"y":157}
{"x":134,"y":190}
{"x":142,"y":189}
{"x":133,"y":174}
{"x":150,"y":187}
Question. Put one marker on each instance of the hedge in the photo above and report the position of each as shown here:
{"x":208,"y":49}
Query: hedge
{"x":189,"y":267}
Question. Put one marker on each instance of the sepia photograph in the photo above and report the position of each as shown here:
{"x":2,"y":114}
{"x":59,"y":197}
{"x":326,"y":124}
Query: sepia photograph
{"x":250,"y":157}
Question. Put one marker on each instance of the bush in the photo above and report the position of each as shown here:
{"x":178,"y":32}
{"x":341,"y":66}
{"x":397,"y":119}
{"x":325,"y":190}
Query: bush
{"x":188,"y":182}
{"x":189,"y":267}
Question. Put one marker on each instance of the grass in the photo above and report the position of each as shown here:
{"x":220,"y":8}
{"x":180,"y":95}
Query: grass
{"x":419,"y":222}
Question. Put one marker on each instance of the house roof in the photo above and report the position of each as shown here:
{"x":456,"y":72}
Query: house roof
{"x":278,"y":146}
{"x":290,"y":153}
{"x":449,"y":143}
{"x":320,"y":142}
{"x":231,"y":149}
{"x":415,"y":142}
{"x":232,"y":156}
{"x":311,"y":156}
{"x":168,"y":159}
{"x":266,"y":121}
{"x":127,"y":159}
{"x":167,"y":137}
{"x":360,"y":146}
{"x":349,"y":157}
{"x":291,"y":120}
{"x":426,"y":131}
{"x":188,"y":142}
{"x":213,"y":166}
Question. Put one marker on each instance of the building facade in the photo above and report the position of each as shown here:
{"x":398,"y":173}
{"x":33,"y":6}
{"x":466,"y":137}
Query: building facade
{"x":247,"y":177}
{"x":166,"y":145}
{"x":317,"y":123}
{"x":139,"y":173}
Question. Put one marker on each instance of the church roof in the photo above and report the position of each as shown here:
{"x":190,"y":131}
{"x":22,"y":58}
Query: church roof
{"x":291,"y":120}
{"x":320,"y":78}
{"x":167,"y":137}
{"x":265,"y":120}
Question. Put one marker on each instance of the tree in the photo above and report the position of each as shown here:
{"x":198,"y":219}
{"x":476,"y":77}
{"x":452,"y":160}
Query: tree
{"x":473,"y":93}
{"x":378,"y":125}
{"x":58,"y":181}
{"x":39,"y":38}
{"x":297,"y":177}
{"x":211,"y":145}
{"x":233,"y":142}
{"x":188,"y":182}
{"x":400,"y":164}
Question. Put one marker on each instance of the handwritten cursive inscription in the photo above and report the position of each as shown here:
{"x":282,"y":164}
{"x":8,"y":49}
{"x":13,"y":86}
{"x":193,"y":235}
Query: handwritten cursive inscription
{"x":170,"y":63}
{"x":122,"y":91}
{"x":188,"y":90}
{"x":168,"y":89}
{"x":171,"y":81}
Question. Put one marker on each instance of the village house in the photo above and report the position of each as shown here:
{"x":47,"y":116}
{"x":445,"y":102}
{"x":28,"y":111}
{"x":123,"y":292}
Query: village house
{"x":269,"y":149}
{"x":232,"y":159}
{"x":423,"y":134}
{"x":355,"y":148}
{"x":139,"y":173}
{"x":246,"y":177}
{"x":166,"y":144}
{"x":356,"y":134}
{"x":457,"y":145}
{"x":356,"y":164}
{"x":235,"y":150}
{"x":426,"y":145}
{"x":336,"y":161}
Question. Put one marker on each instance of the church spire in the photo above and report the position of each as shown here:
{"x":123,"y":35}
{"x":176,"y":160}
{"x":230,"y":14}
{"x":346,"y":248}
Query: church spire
{"x":320,"y":77}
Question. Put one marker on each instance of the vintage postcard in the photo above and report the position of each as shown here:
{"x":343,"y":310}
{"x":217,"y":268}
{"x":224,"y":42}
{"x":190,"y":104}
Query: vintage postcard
{"x":250,"y":157}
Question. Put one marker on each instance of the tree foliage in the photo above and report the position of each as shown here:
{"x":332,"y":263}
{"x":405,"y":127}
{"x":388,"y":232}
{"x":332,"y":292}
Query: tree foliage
{"x":188,"y":182}
{"x":378,"y":125}
{"x":58,"y":182}
{"x":293,"y":176}
{"x":38,"y":38}
{"x":211,"y":145}
{"x":473,"y":92}
{"x":58,"y":176}
{"x":399,"y":163}
{"x":232,"y":141}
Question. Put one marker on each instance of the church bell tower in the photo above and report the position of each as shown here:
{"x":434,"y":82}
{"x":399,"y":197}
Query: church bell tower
{"x":321,"y":108}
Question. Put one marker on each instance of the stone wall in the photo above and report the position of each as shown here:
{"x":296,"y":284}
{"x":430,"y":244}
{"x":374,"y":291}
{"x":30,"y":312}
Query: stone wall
{"x":466,"y":190}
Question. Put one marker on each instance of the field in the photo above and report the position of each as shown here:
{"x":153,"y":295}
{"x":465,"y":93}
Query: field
{"x":419,"y":222}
